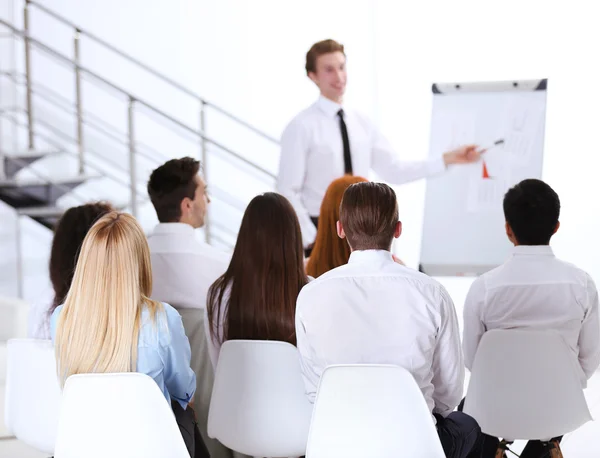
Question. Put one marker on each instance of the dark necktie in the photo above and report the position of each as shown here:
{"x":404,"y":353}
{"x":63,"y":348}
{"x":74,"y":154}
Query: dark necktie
{"x":346,"y":142}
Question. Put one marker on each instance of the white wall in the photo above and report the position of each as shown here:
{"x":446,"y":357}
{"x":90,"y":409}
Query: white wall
{"x":249,"y":57}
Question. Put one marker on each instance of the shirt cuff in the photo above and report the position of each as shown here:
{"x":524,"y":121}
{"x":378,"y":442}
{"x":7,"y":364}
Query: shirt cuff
{"x":436,"y":166}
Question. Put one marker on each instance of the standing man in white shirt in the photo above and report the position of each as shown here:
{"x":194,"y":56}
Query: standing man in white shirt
{"x":327,"y":141}
{"x":534,"y":290}
{"x":375,"y":311}
{"x":183,"y":268}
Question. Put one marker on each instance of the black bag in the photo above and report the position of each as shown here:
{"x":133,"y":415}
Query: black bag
{"x":186,"y":420}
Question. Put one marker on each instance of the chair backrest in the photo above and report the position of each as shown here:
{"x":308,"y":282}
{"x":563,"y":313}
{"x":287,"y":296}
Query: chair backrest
{"x":371,"y":411}
{"x":32,"y":393}
{"x":13,"y":318}
{"x":258,"y":405}
{"x":525,"y":385}
{"x":118,"y":415}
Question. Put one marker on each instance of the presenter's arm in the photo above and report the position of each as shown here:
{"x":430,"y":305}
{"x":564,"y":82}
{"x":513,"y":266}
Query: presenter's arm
{"x":292,"y":171}
{"x":387,"y":163}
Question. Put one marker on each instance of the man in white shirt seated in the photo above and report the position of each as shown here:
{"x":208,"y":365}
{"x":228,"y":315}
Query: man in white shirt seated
{"x":533,"y":289}
{"x":375,"y":311}
{"x":328,"y":140}
{"x":183,"y":268}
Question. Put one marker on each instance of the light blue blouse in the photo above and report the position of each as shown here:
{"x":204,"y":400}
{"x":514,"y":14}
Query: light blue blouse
{"x":163,"y":353}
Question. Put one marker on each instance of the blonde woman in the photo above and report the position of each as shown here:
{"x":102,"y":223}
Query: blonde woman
{"x":108,"y":323}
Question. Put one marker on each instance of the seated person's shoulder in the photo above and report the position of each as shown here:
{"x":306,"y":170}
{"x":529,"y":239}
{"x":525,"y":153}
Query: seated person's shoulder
{"x":158,"y":331}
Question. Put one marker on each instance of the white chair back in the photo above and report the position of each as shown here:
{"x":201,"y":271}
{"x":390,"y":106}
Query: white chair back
{"x":118,"y":415}
{"x":371,"y":411}
{"x":258,"y":405}
{"x":525,"y":385}
{"x":33,"y":395}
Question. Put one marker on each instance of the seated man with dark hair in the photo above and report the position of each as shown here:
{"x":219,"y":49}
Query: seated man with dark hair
{"x":533,"y":289}
{"x":374,"y":310}
{"x":183,"y":268}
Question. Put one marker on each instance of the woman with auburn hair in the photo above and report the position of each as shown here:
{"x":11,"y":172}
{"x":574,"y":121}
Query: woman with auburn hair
{"x":256,"y":297}
{"x":329,"y":250}
{"x":108,"y":323}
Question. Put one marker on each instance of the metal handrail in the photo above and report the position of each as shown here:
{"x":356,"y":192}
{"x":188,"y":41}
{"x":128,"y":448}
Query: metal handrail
{"x":66,"y":60}
{"x":149,"y":69}
{"x":60,"y":102}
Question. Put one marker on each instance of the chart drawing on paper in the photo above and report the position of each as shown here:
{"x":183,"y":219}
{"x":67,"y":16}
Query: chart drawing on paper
{"x":490,"y":179}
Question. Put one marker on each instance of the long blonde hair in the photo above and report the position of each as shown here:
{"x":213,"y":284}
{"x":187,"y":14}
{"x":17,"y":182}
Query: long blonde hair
{"x":99,"y":324}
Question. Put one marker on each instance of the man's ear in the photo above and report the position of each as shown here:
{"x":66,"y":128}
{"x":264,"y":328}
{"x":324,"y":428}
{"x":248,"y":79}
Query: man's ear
{"x":510,"y":234}
{"x":556,"y":228}
{"x":313,"y":77}
{"x":398,"y":230}
{"x":340,"y":230}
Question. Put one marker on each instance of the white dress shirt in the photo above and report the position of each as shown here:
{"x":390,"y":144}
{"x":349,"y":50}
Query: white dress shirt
{"x":183,"y":268}
{"x":312,"y":156}
{"x":214,"y":342}
{"x":375,"y":311}
{"x":534,"y":289}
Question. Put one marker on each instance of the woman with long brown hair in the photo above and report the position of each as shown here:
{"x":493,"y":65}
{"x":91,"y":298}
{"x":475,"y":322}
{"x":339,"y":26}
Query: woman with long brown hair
{"x":256,"y":297}
{"x":329,"y":250}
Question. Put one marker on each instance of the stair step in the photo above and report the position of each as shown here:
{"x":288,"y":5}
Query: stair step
{"x":37,"y":192}
{"x":41,"y":212}
{"x":15,"y":161}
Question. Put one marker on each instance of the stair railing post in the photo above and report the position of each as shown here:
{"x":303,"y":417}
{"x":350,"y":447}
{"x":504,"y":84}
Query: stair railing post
{"x":204,"y":158}
{"x":19,"y":258}
{"x":132,"y":165}
{"x":78,"y":104}
{"x":28,"y":100}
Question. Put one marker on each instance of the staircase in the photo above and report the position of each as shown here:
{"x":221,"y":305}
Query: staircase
{"x":65,"y":151}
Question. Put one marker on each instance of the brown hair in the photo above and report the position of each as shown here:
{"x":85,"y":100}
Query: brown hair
{"x":170,"y":184}
{"x":264,"y":277}
{"x":319,"y":49}
{"x":330,"y":251}
{"x":69,"y":233}
{"x":369,"y":214}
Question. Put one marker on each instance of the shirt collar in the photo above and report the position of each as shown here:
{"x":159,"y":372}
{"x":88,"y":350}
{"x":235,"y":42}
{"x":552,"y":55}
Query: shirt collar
{"x":329,"y":107}
{"x":370,"y":256}
{"x":532,"y":250}
{"x":173,"y":228}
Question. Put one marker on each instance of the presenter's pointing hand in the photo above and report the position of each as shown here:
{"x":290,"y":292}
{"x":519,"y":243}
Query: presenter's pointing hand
{"x":465,"y":154}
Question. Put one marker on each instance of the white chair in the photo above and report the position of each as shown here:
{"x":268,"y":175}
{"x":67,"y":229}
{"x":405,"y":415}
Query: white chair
{"x":524,"y":385}
{"x":374,"y":411}
{"x":118,"y":415}
{"x":32,"y":393}
{"x":13,"y":325}
{"x":258,"y":405}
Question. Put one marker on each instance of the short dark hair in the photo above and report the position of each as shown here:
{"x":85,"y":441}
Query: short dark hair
{"x":69,"y":233}
{"x":532,"y":209}
{"x":170,"y":184}
{"x":369,"y":214}
{"x":318,"y":49}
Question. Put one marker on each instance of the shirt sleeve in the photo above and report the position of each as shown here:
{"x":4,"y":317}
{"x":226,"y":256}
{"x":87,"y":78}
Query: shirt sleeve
{"x":448,"y":369}
{"x":473,"y":328}
{"x":54,"y":321}
{"x":310,"y":373}
{"x":180,"y":379}
{"x":292,"y":172}
{"x":387,"y":163}
{"x":589,"y":337}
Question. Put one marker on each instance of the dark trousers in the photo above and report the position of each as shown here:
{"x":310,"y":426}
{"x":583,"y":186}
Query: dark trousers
{"x":459,"y":434}
{"x":186,"y":420}
{"x":308,"y":251}
{"x":533,"y":449}
{"x":489,"y":445}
